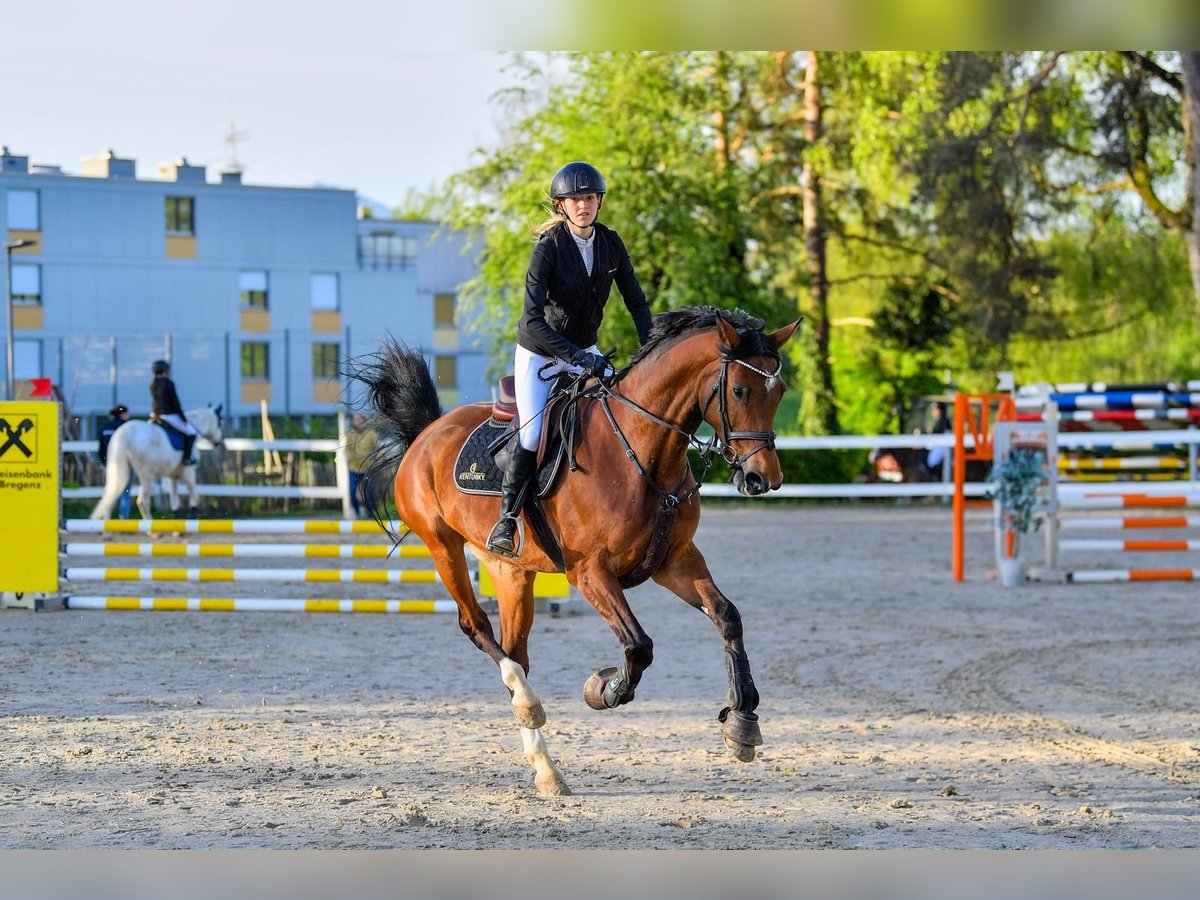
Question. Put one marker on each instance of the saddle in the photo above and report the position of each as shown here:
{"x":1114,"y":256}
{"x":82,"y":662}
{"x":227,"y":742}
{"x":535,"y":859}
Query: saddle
{"x":174,"y":435}
{"x":479,"y":467}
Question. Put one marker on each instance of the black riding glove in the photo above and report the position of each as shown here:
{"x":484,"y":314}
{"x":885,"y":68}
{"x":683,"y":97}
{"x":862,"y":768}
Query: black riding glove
{"x":591,"y":362}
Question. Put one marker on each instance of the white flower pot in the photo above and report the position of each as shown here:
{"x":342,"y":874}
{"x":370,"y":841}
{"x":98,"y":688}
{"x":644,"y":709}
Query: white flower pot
{"x":1010,"y":571}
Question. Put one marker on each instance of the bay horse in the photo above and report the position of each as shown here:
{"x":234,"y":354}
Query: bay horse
{"x":628,"y":512}
{"x":144,"y":448}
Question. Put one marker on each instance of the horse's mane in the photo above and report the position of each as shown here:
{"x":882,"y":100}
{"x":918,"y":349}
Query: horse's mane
{"x":668,"y":327}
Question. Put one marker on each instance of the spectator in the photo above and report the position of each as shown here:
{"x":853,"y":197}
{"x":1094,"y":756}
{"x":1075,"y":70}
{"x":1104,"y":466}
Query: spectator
{"x":934,"y":456}
{"x":118,"y":416}
{"x":361,"y":441}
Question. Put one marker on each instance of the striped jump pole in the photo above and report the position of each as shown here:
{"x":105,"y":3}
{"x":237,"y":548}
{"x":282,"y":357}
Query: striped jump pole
{"x":229,"y":526}
{"x":1122,"y":462}
{"x":259,"y":604}
{"x":343,"y":576}
{"x":1097,"y":576}
{"x":1118,"y":545}
{"x":1120,"y":416}
{"x":306,"y":551}
{"x":1075,"y":523}
{"x":1125,"y":501}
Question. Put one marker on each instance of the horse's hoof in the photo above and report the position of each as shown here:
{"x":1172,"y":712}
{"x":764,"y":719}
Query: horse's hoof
{"x":741,"y":733}
{"x":530,"y":716}
{"x":593,"y":688}
{"x":740,"y":752}
{"x":551,"y":784}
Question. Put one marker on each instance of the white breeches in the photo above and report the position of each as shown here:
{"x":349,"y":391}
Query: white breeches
{"x":533,"y":392}
{"x":175,"y":421}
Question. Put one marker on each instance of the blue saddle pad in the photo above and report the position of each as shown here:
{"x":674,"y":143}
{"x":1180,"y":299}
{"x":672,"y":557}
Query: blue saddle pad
{"x":175,"y":437}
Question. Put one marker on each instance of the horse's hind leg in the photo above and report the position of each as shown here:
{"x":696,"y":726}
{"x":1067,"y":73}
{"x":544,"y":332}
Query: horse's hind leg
{"x":447,"y":549}
{"x":686,"y":575}
{"x":514,"y":595}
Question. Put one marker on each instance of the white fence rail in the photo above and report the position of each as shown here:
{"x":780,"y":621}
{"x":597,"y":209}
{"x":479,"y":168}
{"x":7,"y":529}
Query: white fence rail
{"x":1120,"y":440}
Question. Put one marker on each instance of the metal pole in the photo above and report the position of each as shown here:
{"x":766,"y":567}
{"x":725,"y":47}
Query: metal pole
{"x":112,"y":366}
{"x":287,"y":371}
{"x":9,"y":393}
{"x":9,"y":247}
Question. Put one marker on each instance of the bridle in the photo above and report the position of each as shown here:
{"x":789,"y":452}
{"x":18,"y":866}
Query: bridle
{"x":707,"y":449}
{"x":766,"y":439}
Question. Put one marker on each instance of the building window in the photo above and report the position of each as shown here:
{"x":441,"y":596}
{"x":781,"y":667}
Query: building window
{"x":26,"y":283}
{"x":445,"y":371}
{"x":254,"y":289}
{"x":385,"y":250}
{"x":181,"y":215}
{"x":324,"y":292}
{"x":27,"y":359}
{"x":255,"y":361}
{"x":325,"y":360}
{"x":443,"y":310}
{"x":24,"y":212}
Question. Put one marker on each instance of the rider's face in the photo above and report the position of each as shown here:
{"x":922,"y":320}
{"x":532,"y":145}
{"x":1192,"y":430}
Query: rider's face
{"x":582,"y":209}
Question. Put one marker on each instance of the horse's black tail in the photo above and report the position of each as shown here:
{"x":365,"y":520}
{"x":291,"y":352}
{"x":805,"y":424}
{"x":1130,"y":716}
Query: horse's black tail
{"x":402,"y":400}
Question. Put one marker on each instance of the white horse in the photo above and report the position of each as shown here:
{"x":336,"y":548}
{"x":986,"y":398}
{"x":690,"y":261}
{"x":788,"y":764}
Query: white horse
{"x":145,"y":449}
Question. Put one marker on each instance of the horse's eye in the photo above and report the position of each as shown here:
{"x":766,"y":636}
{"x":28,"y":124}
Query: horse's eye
{"x":739,"y":392}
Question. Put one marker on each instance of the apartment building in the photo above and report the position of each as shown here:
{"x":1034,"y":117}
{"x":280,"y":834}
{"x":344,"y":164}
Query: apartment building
{"x":254,"y":293}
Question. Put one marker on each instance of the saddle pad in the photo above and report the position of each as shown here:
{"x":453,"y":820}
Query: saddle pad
{"x":476,"y":472}
{"x":175,"y":437}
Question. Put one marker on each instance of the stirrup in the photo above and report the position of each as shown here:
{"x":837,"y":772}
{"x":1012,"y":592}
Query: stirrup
{"x":517,"y":537}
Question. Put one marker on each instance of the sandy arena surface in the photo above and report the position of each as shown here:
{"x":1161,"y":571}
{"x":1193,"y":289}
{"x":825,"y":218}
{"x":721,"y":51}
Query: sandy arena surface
{"x":899,"y":710}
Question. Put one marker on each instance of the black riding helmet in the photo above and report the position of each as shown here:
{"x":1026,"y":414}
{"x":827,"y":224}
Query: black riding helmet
{"x":160,"y":367}
{"x":574,"y":179}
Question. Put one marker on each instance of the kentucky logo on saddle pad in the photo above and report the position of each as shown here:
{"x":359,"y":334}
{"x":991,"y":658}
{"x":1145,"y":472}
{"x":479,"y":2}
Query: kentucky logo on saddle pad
{"x":476,"y":472}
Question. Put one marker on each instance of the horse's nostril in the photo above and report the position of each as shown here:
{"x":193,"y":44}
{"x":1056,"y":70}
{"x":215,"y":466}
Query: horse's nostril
{"x":755,"y":483}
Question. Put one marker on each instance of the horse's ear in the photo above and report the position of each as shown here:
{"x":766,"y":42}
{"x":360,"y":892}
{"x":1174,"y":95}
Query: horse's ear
{"x":217,"y":409}
{"x":784,"y":334}
{"x":727,"y":332}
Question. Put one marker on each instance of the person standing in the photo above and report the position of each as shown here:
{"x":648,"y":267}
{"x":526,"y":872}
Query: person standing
{"x":117,"y":416}
{"x":165,"y":406}
{"x":571,"y":273}
{"x":361,"y":441}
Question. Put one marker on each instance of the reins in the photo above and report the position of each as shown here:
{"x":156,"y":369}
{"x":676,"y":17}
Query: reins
{"x":707,"y":449}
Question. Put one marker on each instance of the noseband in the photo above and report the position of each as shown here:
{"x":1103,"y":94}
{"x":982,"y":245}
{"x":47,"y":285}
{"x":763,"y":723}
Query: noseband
{"x":766,"y":439}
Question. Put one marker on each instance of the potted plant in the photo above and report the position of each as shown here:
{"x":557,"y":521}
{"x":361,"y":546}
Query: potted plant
{"x":1015,"y":484}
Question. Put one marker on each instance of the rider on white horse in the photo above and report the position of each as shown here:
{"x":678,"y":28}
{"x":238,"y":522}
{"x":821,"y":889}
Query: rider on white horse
{"x":165,"y":406}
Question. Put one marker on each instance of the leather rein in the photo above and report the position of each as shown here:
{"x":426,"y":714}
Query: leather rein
{"x":706,"y":449}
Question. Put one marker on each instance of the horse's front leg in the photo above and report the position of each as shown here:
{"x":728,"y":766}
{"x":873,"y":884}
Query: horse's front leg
{"x":189,"y":480}
{"x":686,"y":574}
{"x":611,"y":687}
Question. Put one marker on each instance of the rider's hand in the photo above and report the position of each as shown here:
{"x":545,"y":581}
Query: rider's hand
{"x":593,"y":363}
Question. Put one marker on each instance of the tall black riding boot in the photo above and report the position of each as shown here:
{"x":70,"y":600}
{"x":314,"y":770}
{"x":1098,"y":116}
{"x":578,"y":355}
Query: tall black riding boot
{"x":188,"y":441}
{"x":503,"y":539}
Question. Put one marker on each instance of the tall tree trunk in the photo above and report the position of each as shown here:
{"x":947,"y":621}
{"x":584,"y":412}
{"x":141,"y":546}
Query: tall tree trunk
{"x":1191,"y":122}
{"x":821,"y":411}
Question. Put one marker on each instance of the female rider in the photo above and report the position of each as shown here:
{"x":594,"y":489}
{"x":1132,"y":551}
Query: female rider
{"x":571,"y":272}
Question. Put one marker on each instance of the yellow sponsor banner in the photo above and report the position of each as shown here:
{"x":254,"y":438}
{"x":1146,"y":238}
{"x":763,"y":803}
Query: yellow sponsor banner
{"x":545,"y":584}
{"x":29,"y":496}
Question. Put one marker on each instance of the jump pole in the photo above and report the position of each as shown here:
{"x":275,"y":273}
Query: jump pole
{"x":259,"y":604}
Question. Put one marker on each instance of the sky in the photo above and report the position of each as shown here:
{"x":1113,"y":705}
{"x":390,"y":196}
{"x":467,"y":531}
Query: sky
{"x":340,"y":103}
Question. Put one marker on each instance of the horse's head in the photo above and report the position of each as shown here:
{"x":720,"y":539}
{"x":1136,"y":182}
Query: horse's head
{"x":741,"y":406}
{"x":208,"y":422}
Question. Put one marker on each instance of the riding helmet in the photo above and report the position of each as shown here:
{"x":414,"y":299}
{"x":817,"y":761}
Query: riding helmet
{"x":574,"y":179}
{"x":160,"y":367}
{"x":119,"y":410}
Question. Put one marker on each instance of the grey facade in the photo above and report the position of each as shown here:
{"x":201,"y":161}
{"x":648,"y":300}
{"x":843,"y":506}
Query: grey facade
{"x":254,"y":293}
